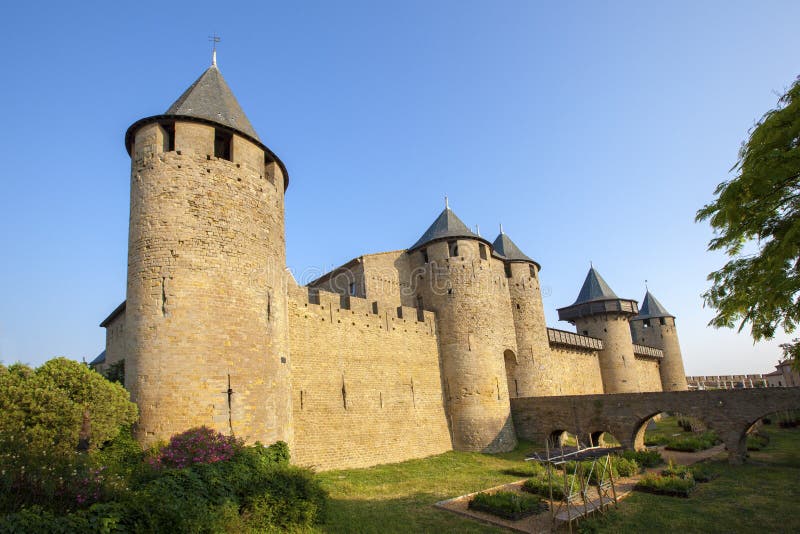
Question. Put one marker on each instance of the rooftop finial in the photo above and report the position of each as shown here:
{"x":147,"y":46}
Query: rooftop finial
{"x":501,"y":228}
{"x":214,"y":39}
{"x":477,"y":230}
{"x":591,"y":265}
{"x":645,"y":286}
{"x":446,"y":203}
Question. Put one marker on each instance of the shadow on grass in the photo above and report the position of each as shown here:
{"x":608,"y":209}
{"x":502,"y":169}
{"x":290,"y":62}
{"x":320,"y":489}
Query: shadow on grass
{"x":412,"y":513}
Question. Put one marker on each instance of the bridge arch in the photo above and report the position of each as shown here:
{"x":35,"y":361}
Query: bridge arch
{"x":731,"y":413}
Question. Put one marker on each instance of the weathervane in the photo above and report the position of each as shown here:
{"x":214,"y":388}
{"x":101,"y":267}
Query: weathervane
{"x":214,"y":38}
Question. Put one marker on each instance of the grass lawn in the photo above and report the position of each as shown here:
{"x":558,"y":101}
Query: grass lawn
{"x":760,"y":496}
{"x":399,"y":497}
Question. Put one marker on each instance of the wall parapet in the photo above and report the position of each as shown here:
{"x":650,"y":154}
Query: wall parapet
{"x":330,"y":305}
{"x":571,"y":339}
{"x":647,"y":352}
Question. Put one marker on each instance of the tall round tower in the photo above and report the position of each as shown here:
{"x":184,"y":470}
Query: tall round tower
{"x":206,"y":296}
{"x":533,"y":347}
{"x":599,"y":312}
{"x":655,"y":326}
{"x":454,"y":276}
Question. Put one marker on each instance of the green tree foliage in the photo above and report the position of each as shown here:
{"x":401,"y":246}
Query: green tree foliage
{"x":44,"y":410}
{"x":759,"y":209}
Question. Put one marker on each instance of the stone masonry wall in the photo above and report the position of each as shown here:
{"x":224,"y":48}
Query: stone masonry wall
{"x":366,"y":386}
{"x":568,"y":371}
{"x":206,"y":295}
{"x":648,"y":370}
{"x":116,"y":341}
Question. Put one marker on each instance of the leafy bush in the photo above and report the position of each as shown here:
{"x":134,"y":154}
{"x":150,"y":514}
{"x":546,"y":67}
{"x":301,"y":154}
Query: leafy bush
{"x":528,"y":469}
{"x":699,"y":442}
{"x":677,"y":470}
{"x":666,"y":485}
{"x":625,"y":467}
{"x":255,"y":490}
{"x":200,"y":445}
{"x":541,"y":486}
{"x":757,"y":441}
{"x":648,"y":458}
{"x":702,"y":472}
{"x":508,"y":504}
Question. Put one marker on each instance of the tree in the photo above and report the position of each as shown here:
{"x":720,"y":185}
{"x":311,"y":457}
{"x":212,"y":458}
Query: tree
{"x":759,"y":210}
{"x":44,"y":410}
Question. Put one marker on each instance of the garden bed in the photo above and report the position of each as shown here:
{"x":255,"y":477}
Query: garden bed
{"x":508,"y":504}
{"x":672,"y":485}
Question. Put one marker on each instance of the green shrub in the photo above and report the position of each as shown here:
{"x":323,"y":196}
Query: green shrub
{"x":647,"y":458}
{"x":677,"y":470}
{"x":656,"y":441}
{"x":702,"y":472}
{"x":625,"y":467}
{"x":541,"y":486}
{"x":507,"y":504}
{"x":528,"y":469}
{"x":757,"y":441}
{"x":699,"y":442}
{"x":666,"y":485}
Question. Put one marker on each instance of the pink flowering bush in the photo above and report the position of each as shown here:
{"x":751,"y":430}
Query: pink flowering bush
{"x":200,"y":445}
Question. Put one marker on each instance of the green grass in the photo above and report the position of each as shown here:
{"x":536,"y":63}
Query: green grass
{"x":663,"y":431}
{"x":399,"y":497}
{"x":759,"y":496}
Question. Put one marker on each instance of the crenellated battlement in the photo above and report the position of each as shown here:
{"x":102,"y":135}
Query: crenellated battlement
{"x":359,"y":312}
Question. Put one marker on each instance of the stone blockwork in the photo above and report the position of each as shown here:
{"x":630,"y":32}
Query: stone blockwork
{"x":206,"y":307}
{"x":731,"y":413}
{"x":367,"y":386}
{"x":662,"y":333}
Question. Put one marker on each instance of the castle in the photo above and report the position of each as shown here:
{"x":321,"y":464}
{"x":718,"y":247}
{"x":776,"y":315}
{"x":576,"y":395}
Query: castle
{"x":391,"y":356}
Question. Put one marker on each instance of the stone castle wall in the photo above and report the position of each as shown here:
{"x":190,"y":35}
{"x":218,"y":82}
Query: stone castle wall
{"x":206,"y":299}
{"x":648,"y":371}
{"x":569,"y":371}
{"x":366,"y":386}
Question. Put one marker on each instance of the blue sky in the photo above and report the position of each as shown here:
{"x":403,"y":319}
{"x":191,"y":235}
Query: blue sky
{"x":592,"y":131}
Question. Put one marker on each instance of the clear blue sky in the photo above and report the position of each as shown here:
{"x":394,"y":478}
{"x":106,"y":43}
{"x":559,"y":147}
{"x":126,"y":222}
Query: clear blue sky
{"x":593,"y":131}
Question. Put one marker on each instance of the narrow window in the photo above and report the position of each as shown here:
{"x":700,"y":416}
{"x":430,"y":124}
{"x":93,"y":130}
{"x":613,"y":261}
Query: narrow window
{"x":533,"y":271}
{"x":482,"y":251}
{"x":222,"y":144}
{"x":453,"y":247}
{"x":169,"y":136}
{"x":507,"y":267}
{"x":352,"y":289}
{"x":662,"y":321}
{"x":646,"y":323}
{"x":585,"y":332}
{"x":424,"y":252}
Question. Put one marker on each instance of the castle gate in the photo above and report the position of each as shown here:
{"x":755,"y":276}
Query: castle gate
{"x":731,"y":413}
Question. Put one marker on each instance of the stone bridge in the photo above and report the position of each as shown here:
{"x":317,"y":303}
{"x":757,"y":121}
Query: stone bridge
{"x":731,"y":413}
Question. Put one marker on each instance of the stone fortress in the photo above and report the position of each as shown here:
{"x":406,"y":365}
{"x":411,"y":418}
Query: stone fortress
{"x":391,"y":356}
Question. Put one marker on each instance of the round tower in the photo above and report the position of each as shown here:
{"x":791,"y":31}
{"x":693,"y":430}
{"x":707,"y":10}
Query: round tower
{"x":598,"y":312}
{"x":533,"y":347}
{"x":206,"y":296}
{"x":455,"y":278}
{"x":655,"y":327}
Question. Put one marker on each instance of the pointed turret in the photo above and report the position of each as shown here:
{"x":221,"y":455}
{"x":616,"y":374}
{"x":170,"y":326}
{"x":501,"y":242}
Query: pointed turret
{"x":599,"y":312}
{"x":446,"y":226}
{"x":596,"y":296}
{"x":209,"y":98}
{"x":651,"y":308}
{"x":208,"y":101}
{"x":655,"y":327}
{"x":505,"y":247}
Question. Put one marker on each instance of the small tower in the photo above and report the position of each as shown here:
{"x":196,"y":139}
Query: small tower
{"x":599,"y":312}
{"x":533,"y":348}
{"x":655,"y":326}
{"x":455,"y":277}
{"x":206,"y":297}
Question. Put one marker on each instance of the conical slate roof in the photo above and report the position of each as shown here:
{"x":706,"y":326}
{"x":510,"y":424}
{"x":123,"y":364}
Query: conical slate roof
{"x":651,"y":308}
{"x":594,"y":288}
{"x":446,"y":225}
{"x":210,"y":98}
{"x":508,"y":249}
